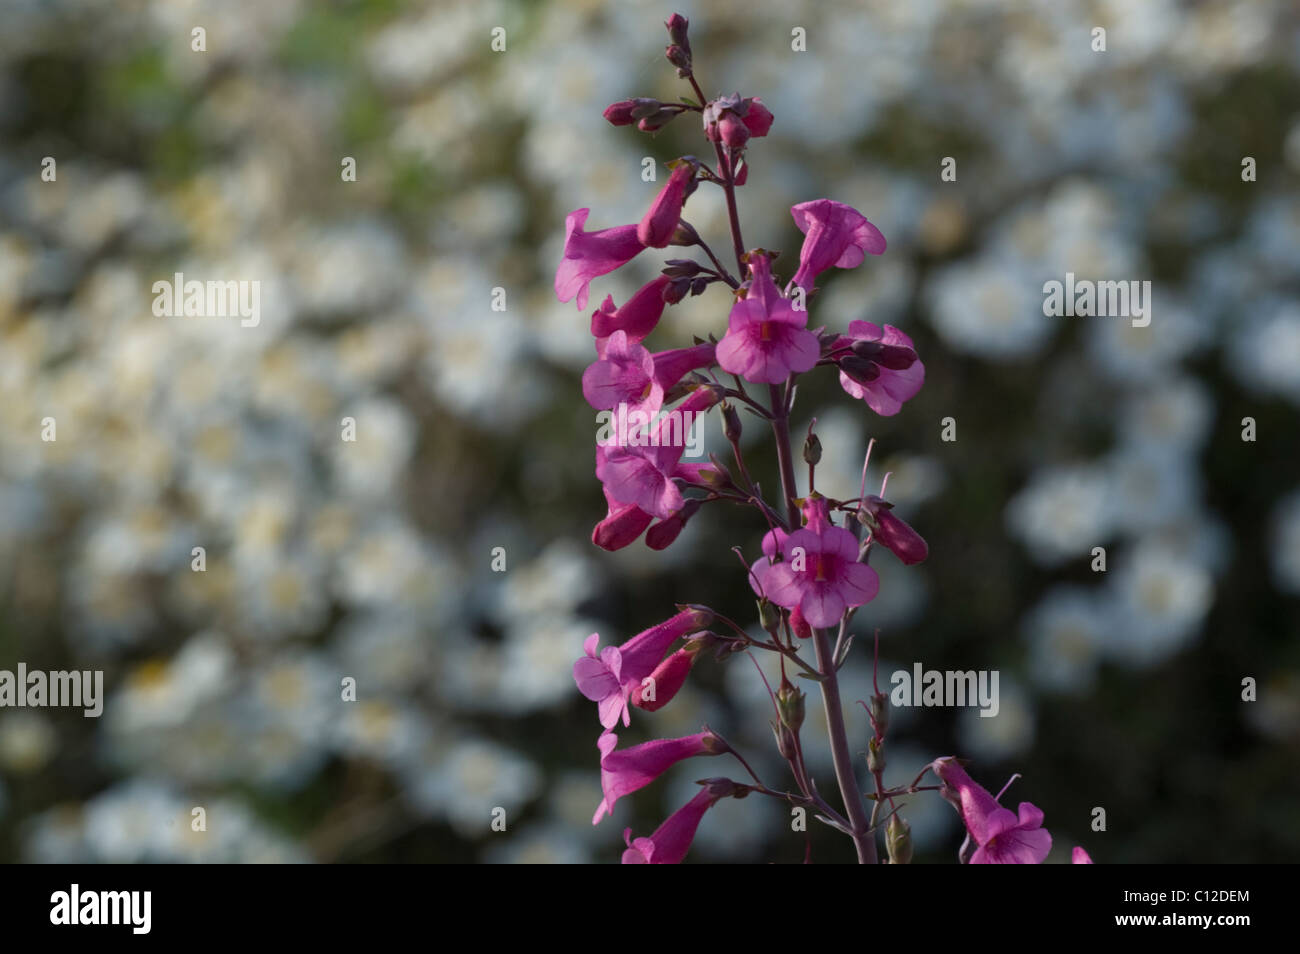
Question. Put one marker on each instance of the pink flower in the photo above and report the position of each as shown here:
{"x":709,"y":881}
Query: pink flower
{"x":767,"y":338}
{"x":820,"y":575}
{"x":879,"y":366}
{"x":834,"y":234}
{"x":638,"y":317}
{"x":621,"y":526}
{"x":632,"y":769}
{"x":893,"y":533}
{"x":588,"y":255}
{"x":668,"y":677}
{"x":644,"y":472}
{"x":1080,"y":857}
{"x":625,"y":374}
{"x":671,"y":840}
{"x":609,"y":677}
{"x":1002,"y":836}
{"x":660,"y":221}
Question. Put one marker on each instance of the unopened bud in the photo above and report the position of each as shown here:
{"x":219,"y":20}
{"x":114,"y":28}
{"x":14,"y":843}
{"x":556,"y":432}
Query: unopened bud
{"x":769,"y":617}
{"x":812,"y":450}
{"x":628,"y":111}
{"x":790,"y":706}
{"x":725,"y":788}
{"x":699,"y":285}
{"x":681,"y":268}
{"x":685,"y":234}
{"x":678,"y":57}
{"x":898,"y":840}
{"x":731,"y":428}
{"x":875,"y":756}
{"x":677,"y":26}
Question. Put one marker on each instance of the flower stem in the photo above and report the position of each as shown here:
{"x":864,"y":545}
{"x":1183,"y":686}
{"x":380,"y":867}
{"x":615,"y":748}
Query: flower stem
{"x":863,"y":839}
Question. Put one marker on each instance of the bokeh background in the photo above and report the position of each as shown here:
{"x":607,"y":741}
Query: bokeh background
{"x":373,"y":559}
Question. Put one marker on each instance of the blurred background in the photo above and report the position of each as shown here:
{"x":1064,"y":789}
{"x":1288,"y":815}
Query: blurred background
{"x":373,"y":559}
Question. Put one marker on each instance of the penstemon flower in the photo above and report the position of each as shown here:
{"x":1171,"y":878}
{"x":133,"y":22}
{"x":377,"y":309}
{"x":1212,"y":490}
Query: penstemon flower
{"x":813,"y":574}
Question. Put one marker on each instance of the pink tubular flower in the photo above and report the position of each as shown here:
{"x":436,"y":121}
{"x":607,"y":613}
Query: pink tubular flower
{"x":879,"y":365}
{"x":767,"y":339}
{"x":624,"y":374}
{"x":893,"y":533}
{"x":671,"y":840}
{"x":1003,"y":837}
{"x":820,"y":574}
{"x":658,"y":689}
{"x":638,"y":317}
{"x":660,"y":221}
{"x":1080,"y":857}
{"x":881,"y":368}
{"x":632,"y":769}
{"x":621,"y":526}
{"x":834,"y":234}
{"x":644,"y":472}
{"x":609,"y":677}
{"x":589,"y":255}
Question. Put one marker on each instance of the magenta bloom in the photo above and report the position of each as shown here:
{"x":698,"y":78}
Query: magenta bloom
{"x":671,"y":840}
{"x":834,"y":234}
{"x":882,"y":368}
{"x":669,"y":676}
{"x":638,"y":317}
{"x":767,"y":339}
{"x":609,"y":677}
{"x":660,"y":221}
{"x":621,"y":526}
{"x":589,"y":255}
{"x":644,"y":471}
{"x":1080,"y":857}
{"x":632,"y":769}
{"x":626,"y":373}
{"x":820,"y":575}
{"x":893,"y":533}
{"x":1003,"y":837}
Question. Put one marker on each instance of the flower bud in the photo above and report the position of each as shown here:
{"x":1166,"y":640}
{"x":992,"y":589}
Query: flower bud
{"x":679,"y":58}
{"x":731,"y":428}
{"x":681,"y":267}
{"x":898,"y":840}
{"x":769,"y":617}
{"x":875,"y":756}
{"x":676,"y":290}
{"x":677,"y":26}
{"x":790,"y":706}
{"x":732,"y":131}
{"x":627,"y":111}
{"x":812,"y":450}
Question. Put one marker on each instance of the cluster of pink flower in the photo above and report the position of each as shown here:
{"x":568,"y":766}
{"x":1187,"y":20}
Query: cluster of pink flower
{"x":813,"y":575}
